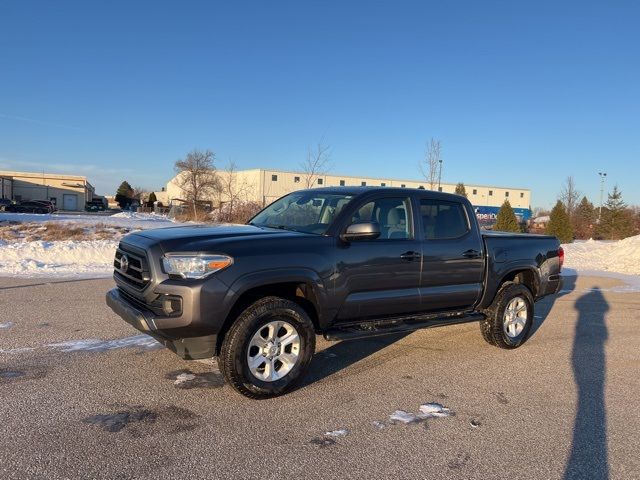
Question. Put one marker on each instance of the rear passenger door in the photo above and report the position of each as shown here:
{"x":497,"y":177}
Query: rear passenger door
{"x":452,"y":255}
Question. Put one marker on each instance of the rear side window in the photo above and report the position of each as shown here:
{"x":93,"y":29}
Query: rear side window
{"x":442,"y":219}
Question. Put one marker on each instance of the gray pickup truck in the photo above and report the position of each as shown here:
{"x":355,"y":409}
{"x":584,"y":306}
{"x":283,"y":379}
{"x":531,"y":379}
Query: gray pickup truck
{"x":344,"y":262}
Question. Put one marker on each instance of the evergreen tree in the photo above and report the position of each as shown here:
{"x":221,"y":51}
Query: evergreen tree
{"x":152,"y":199}
{"x":124,"y":195}
{"x":507,"y":220}
{"x":584,"y":219}
{"x":617,"y":220}
{"x":559,"y":224}
{"x":460,"y":190}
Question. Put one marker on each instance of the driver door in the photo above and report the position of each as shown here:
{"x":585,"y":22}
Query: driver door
{"x":381,"y":277}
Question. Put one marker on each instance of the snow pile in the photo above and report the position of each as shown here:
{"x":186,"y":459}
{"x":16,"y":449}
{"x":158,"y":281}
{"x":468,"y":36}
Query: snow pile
{"x":131,"y":220}
{"x":67,"y":257}
{"x":621,"y":256}
{"x":89,"y":255}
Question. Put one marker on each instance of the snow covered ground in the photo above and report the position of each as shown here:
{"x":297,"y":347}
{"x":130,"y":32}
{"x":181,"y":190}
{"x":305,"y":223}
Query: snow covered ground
{"x":131,"y":220}
{"x":622,"y":257}
{"x":20,"y":255}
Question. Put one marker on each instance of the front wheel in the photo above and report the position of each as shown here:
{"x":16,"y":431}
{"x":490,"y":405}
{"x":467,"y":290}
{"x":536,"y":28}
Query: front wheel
{"x":509,"y":318}
{"x":268,"y":348}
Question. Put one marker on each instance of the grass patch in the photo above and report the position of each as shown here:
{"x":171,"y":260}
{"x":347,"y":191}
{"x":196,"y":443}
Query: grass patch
{"x":58,"y":231}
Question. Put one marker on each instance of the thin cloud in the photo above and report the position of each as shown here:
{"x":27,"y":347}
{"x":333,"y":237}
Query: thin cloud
{"x":39,"y":122}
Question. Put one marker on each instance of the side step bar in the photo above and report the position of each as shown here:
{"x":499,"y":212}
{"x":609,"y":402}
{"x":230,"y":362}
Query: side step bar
{"x":375,"y":328}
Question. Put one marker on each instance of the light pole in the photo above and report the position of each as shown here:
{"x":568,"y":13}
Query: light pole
{"x":439,"y":174}
{"x":603,"y":175}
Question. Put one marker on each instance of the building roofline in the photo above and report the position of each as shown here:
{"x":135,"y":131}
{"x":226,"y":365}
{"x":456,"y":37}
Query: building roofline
{"x":61,"y":176}
{"x":377,"y":178}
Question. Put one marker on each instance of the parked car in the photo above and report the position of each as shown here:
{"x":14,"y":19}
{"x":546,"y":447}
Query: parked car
{"x":49,"y":204}
{"x":4,"y":202}
{"x":31,"y":206}
{"x":94,"y":206}
{"x":347,"y":263}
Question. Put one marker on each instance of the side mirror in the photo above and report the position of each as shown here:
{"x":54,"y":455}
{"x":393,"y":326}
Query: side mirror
{"x":361,"y":231}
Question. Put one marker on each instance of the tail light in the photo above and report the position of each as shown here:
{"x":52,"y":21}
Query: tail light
{"x":561,"y":256}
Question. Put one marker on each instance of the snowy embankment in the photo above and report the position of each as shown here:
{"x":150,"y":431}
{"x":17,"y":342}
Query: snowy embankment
{"x":26,"y":251}
{"x":93,"y":257}
{"x":621,"y":256}
{"x":132,"y":220}
{"x":65,"y":257}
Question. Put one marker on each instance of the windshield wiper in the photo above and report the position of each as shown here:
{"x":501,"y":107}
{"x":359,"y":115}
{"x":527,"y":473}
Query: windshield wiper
{"x":281,"y":227}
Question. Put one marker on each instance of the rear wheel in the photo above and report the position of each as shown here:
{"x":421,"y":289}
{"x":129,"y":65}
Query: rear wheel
{"x":268,"y":348}
{"x":510,"y":317}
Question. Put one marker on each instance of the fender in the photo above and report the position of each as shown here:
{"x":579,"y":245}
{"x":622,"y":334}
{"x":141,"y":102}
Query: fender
{"x":273,"y":276}
{"x":498,"y":272}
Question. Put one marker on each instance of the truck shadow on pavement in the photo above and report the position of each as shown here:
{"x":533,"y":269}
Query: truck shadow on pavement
{"x":543,"y":308}
{"x":341,"y":355}
{"x":589,"y":455}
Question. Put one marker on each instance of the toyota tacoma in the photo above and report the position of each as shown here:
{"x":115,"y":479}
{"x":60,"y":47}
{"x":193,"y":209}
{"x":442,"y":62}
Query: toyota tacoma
{"x":343,"y":262}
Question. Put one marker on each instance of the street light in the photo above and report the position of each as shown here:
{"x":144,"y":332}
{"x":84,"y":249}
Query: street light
{"x":603,"y":175}
{"x":439,"y":174}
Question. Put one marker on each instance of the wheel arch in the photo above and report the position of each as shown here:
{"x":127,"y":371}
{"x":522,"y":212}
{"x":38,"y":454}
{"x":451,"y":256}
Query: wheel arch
{"x":303,"y":287}
{"x":524,"y":275}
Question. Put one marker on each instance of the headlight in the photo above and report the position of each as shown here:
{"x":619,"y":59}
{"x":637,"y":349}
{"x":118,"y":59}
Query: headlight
{"x":195,"y":266}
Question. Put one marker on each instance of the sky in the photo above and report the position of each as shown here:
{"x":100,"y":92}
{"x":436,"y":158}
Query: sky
{"x":520,"y":94}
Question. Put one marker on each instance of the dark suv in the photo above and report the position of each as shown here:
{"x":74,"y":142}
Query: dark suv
{"x":31,"y":206}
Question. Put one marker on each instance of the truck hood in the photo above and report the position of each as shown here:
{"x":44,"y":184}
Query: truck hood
{"x":197,"y":237}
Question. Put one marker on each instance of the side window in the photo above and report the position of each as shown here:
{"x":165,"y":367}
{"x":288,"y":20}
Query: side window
{"x":392,"y":214}
{"x":442,"y":219}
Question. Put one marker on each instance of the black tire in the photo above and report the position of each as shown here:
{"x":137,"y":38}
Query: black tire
{"x":493,"y":326}
{"x":233,"y":361}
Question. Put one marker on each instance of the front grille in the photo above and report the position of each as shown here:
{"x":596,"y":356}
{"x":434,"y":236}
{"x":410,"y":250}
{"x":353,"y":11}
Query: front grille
{"x":137,"y":272}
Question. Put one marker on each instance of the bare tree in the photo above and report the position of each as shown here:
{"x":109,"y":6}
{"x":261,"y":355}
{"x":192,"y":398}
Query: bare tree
{"x":431,"y":162}
{"x":316,"y":164}
{"x":233,"y":193}
{"x":197,"y":178}
{"x":140,"y":194}
{"x":569,"y":196}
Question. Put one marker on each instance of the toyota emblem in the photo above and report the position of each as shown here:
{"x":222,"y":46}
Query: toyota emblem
{"x":124,"y":263}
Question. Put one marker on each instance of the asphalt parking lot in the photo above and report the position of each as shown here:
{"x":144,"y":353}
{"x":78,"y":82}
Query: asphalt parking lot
{"x":76,"y":405}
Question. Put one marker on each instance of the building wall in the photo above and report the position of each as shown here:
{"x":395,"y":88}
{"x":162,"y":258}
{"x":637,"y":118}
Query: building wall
{"x":6,"y":188}
{"x":39,"y":186}
{"x":265,"y":186}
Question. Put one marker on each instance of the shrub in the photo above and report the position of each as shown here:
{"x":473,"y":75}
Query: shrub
{"x":559,"y":224}
{"x":507,"y":220}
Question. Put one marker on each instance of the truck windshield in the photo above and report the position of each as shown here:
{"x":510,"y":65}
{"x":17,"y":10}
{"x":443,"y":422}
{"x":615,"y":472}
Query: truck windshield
{"x":306,"y":212}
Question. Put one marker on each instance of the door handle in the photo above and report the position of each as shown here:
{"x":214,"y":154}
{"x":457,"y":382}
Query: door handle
{"x":410,"y":256}
{"x":471,"y":254}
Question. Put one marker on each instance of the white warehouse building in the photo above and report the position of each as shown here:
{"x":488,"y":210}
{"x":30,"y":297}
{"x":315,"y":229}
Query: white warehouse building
{"x":264,"y":186}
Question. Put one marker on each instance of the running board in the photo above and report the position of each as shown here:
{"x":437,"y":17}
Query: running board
{"x":375,"y":328}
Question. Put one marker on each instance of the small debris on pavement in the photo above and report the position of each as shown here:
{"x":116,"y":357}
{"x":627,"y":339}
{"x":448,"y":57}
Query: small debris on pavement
{"x":428,"y":410}
{"x":343,"y":432}
{"x":184,"y":377}
{"x":403,"y":417}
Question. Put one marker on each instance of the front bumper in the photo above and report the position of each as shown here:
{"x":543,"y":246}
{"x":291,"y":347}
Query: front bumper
{"x":187,"y":347}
